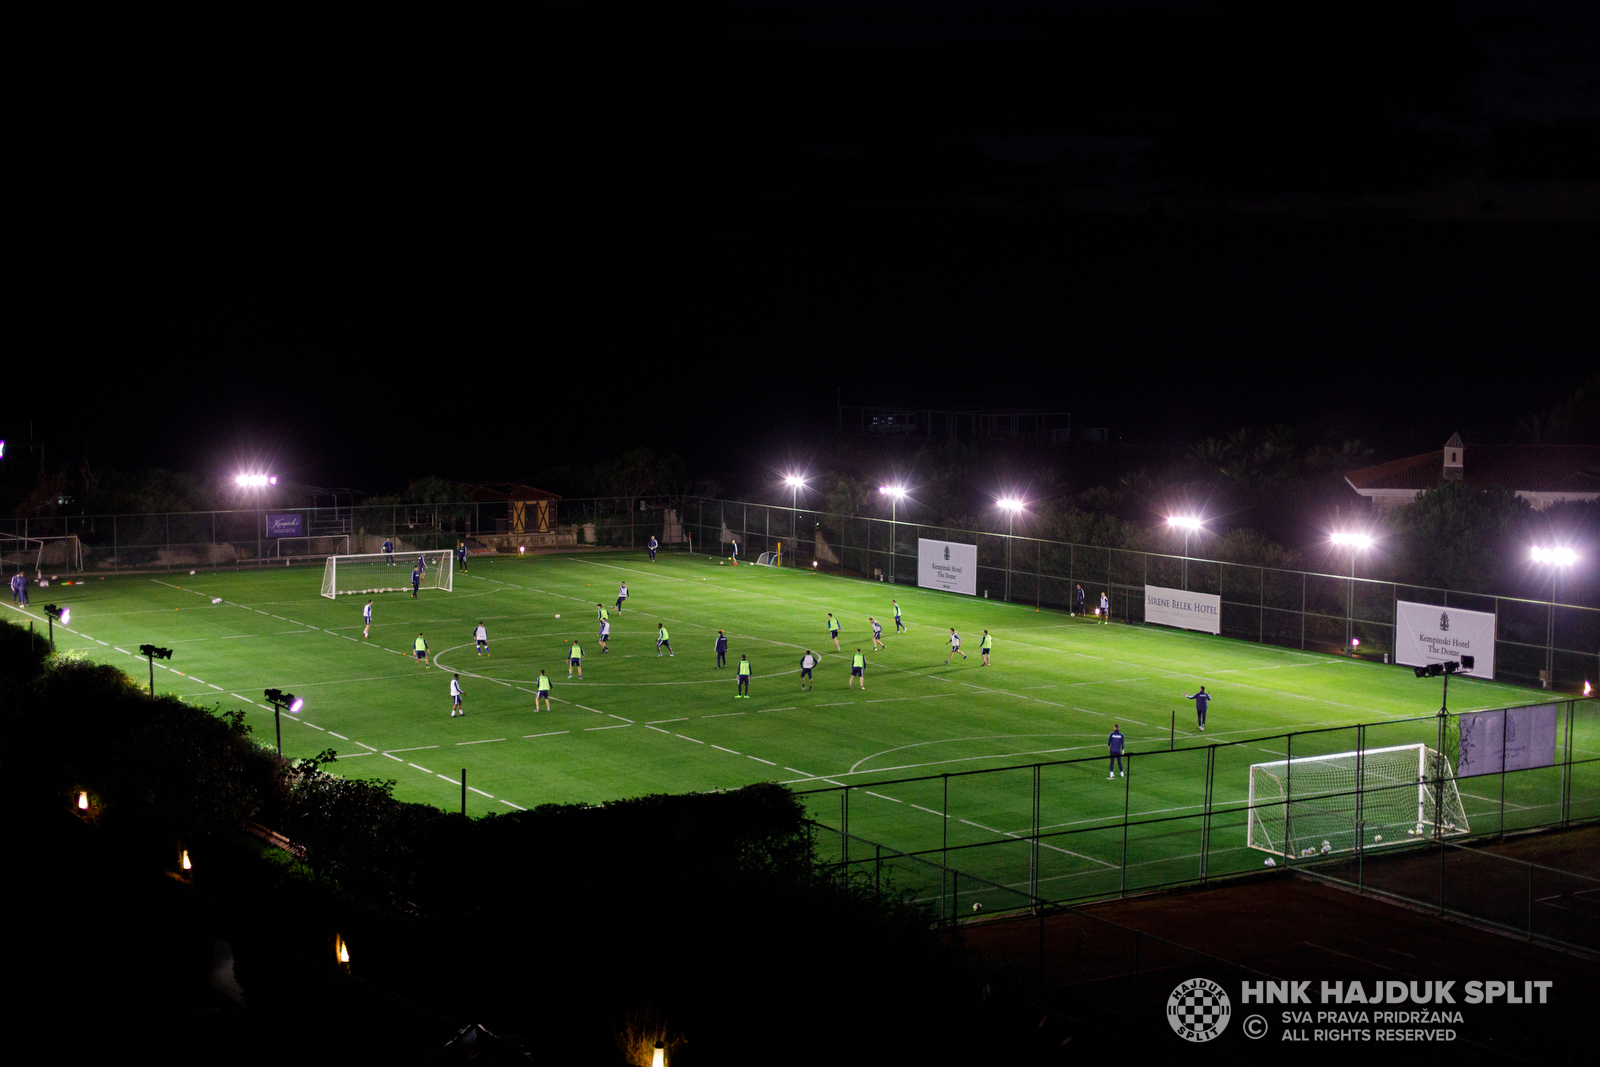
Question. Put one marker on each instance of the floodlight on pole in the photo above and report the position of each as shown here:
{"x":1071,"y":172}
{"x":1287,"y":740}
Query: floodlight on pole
{"x":152,"y":653}
{"x":1188,"y":524}
{"x":1557,"y":559}
{"x":895,"y":493}
{"x":1010,"y":505}
{"x":281,"y":702}
{"x":795,"y":483}
{"x":256,"y":481}
{"x":1355,"y":542}
{"x":55,"y":615}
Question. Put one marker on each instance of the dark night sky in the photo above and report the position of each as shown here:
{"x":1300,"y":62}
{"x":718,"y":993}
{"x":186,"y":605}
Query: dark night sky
{"x":372,"y":252}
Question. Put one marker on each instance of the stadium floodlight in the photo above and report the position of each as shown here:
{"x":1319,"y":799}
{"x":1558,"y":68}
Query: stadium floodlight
{"x":1189,"y":524}
{"x":281,"y":702}
{"x":1556,"y":559}
{"x":256,"y":481}
{"x":55,"y":615}
{"x":152,"y":653}
{"x":1010,"y":505}
{"x":895,"y":493}
{"x":795,"y":482}
{"x":1355,"y":542}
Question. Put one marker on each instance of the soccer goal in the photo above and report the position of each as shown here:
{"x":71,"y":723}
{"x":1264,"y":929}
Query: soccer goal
{"x":383,"y":572}
{"x":1319,"y":805}
{"x":767,"y":559}
{"x":39,"y":553}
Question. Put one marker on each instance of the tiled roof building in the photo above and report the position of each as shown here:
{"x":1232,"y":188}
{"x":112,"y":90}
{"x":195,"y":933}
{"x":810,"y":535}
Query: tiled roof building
{"x":1540,"y":474}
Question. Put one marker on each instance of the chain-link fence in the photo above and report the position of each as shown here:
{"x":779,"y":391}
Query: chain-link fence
{"x":1073,"y":830}
{"x":1536,"y":641}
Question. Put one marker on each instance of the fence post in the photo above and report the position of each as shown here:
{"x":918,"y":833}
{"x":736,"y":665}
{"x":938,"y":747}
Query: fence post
{"x":844,"y":828}
{"x":1205,"y":826}
{"x":1033,"y":851}
{"x":1302,"y":611}
{"x":1361,"y":792}
{"x":1530,"y":902}
{"x":1123,"y":869}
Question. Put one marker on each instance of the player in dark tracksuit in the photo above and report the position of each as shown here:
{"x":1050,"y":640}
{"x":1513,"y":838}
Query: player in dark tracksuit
{"x":1115,"y":743}
{"x":722,"y":649}
{"x":416,"y":580}
{"x":1200,"y":700}
{"x":1080,"y":600}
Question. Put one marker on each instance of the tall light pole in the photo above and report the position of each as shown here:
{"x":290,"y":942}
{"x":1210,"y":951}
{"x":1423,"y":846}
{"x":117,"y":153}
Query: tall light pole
{"x":1557,"y":559}
{"x":795,"y":483}
{"x":1355,"y":542}
{"x":894,"y":493}
{"x":1188,"y":524}
{"x":1010,"y":505}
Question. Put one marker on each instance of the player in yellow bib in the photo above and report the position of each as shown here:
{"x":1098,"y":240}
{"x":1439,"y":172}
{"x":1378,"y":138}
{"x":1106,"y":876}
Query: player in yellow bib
{"x":858,"y":669}
{"x":985,"y":646}
{"x":575,"y":660}
{"x":744,"y":678}
{"x":544,"y":691}
{"x":421,"y":647}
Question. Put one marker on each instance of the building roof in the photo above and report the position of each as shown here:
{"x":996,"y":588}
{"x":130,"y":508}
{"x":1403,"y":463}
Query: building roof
{"x":499,"y":492}
{"x":1521,"y":468}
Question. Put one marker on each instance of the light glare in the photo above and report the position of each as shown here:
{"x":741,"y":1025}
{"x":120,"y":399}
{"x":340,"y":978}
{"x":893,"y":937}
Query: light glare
{"x":1184,"y":522}
{"x":1560,"y":557}
{"x":256,"y":481}
{"x":1353,"y":540}
{"x":296,"y":706}
{"x":895,"y":491}
{"x":794,"y":481}
{"x":1010,"y":503}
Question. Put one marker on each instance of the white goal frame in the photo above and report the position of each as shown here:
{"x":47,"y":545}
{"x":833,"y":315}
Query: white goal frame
{"x":1344,"y":801}
{"x":767,"y":559}
{"x":371,"y":572}
{"x":22,"y":552}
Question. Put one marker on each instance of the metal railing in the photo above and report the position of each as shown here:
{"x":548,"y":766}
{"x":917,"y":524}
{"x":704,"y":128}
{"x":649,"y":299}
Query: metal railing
{"x":1059,"y":831}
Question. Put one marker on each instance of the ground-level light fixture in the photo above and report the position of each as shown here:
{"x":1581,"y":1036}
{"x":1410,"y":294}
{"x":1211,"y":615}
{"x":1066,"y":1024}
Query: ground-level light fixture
{"x":152,"y":653}
{"x":282,"y":702}
{"x":341,"y":951}
{"x":55,"y":615}
{"x":83,"y":800}
{"x":183,"y":860}
{"x":658,"y":1057}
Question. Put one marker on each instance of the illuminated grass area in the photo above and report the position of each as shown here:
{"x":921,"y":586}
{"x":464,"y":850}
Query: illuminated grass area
{"x":641,"y":724}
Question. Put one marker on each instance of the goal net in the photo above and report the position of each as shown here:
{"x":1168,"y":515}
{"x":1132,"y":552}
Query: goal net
{"x":767,"y":559}
{"x":1318,"y":805}
{"x":40,"y":553}
{"x":383,"y":572}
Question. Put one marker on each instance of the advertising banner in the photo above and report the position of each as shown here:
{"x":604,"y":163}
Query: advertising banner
{"x":284,"y":526}
{"x":1428,"y":633}
{"x":947,"y":565}
{"x":1515,"y":739}
{"x":1191,"y":611}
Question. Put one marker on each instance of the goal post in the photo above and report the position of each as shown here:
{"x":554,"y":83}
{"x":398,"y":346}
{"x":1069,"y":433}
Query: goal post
{"x":385,"y":572}
{"x":37,"y":553}
{"x":1319,"y":805}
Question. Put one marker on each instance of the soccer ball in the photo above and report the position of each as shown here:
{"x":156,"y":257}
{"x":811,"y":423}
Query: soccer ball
{"x":216,"y":600}
{"x":1377,"y":837}
{"x":191,"y":572}
{"x":977,"y":907}
{"x":558,"y":614}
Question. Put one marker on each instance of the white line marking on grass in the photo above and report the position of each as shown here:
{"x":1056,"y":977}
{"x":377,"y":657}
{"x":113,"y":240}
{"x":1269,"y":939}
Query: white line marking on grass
{"x":930,"y":811}
{"x":628,"y":721}
{"x":722,"y":715}
{"x":657,"y":729}
{"x":596,"y":711}
{"x":420,"y":767}
{"x":688,"y":738}
{"x":341,"y":737}
{"x":789,"y":708}
{"x":487,"y":741}
{"x":508,"y":804}
{"x":218,"y":688}
{"x":758,"y":759}
{"x":480,"y":792}
{"x":728,"y":750}
{"x":551,"y":734}
{"x":619,"y":726}
{"x":363,"y":744}
{"x":397,"y":759}
{"x":652,"y":722}
{"x":353,"y":755}
{"x":836,"y":704}
{"x":447,"y":778}
{"x":880,"y":796}
{"x":419,"y":748}
{"x":313,"y":725}
{"x":797,"y":770}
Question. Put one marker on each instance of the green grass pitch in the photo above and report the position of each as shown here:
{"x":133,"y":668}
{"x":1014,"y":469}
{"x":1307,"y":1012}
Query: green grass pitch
{"x":638,"y":723}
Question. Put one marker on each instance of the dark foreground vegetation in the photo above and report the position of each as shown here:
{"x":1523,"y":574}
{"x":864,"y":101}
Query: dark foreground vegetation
{"x":575,"y":934}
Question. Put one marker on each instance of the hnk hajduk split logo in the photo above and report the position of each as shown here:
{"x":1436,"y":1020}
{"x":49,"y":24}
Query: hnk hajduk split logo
{"x":946,"y":551}
{"x":1444,"y":622}
{"x":1199,"y":1010}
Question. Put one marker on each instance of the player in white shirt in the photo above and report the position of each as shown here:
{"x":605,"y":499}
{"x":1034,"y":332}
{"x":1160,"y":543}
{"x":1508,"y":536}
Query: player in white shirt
{"x":455,"y":696}
{"x":807,"y":662}
{"x":877,"y":634}
{"x":955,"y":646}
{"x":622,"y":594}
{"x":366,"y":618}
{"x":605,"y":634}
{"x":481,"y":636}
